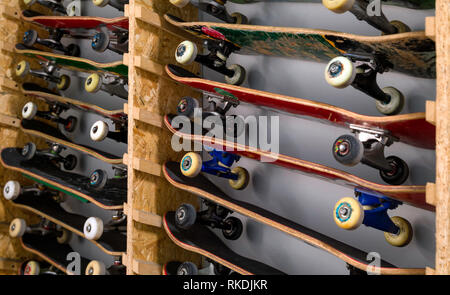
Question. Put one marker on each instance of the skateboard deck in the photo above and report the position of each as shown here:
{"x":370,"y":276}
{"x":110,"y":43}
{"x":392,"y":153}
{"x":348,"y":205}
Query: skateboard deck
{"x":200,"y":239}
{"x":412,"y":129}
{"x":74,"y":22}
{"x":111,"y":242}
{"x":204,"y":188}
{"x":109,"y":198}
{"x":42,"y":129}
{"x":411,"y":194}
{"x":49,"y":96}
{"x":51,"y":251}
{"x":74,"y":63}
{"x":411,"y":53}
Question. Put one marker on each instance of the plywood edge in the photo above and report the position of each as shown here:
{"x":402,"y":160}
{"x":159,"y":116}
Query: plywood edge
{"x":148,"y":117}
{"x":6,"y":46}
{"x":148,"y":65}
{"x":431,"y":193}
{"x":7,"y":264}
{"x":430,"y":27}
{"x":9,"y":120}
{"x":142,"y":165}
{"x":10,"y":12}
{"x":143,"y":216}
{"x":430,"y":112}
{"x":8,"y":84}
{"x":4,"y":227}
{"x":143,"y":267}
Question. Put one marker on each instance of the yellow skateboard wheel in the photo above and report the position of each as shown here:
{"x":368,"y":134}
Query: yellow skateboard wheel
{"x":64,"y":82}
{"x":186,"y":52}
{"x":65,"y":236}
{"x":240,"y":18}
{"x":28,"y":2}
{"x":400,"y":26}
{"x":338,"y":6}
{"x":405,"y":234}
{"x":100,"y":3}
{"x":179,"y":3}
{"x":93,"y":83}
{"x":22,"y":68}
{"x":243,"y":178}
{"x":17,"y":228}
{"x":32,"y":268}
{"x":191,"y":164}
{"x":348,"y":213}
{"x":95,"y":268}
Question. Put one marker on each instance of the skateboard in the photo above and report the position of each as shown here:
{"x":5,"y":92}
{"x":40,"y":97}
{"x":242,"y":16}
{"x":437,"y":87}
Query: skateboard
{"x":201,"y":240}
{"x":71,"y":9}
{"x":204,"y":188}
{"x":111,"y":242}
{"x":109,"y":194}
{"x":74,"y":63}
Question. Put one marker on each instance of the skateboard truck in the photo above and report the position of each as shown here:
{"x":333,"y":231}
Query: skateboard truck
{"x":112,"y":84}
{"x":99,"y":178}
{"x":32,"y":267}
{"x":30,"y":111}
{"x":216,"y":59}
{"x":214,"y":216}
{"x":192,"y":164}
{"x":367,"y":147}
{"x":215,"y":8}
{"x":31,"y":37}
{"x":12,"y":190}
{"x":359,"y":9}
{"x":117,"y":4}
{"x":69,"y":162}
{"x":361,"y":71}
{"x":96,"y":267}
{"x":116,"y":40}
{"x":212,"y":268}
{"x":54,"y":5}
{"x":45,"y":227}
{"x":100,"y":131}
{"x":47,"y":73}
{"x":370,"y":208}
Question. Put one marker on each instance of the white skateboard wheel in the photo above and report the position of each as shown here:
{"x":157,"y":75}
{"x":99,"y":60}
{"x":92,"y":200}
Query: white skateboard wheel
{"x":348,"y":213}
{"x":17,"y":228}
{"x":93,"y":83}
{"x":100,"y":3}
{"x":65,"y":236}
{"x":22,"y":68}
{"x":32,"y":268}
{"x":74,"y":8}
{"x":29,"y":110}
{"x":95,"y":268}
{"x":11,"y":190}
{"x":395,"y":105}
{"x":186,"y":52}
{"x":99,"y":131}
{"x":180,"y":3}
{"x":340,"y":72}
{"x":405,"y":234}
{"x":238,"y":76}
{"x":191,"y":164}
{"x":243,"y":178}
{"x":93,"y":228}
{"x":64,"y":82}
{"x":338,"y":6}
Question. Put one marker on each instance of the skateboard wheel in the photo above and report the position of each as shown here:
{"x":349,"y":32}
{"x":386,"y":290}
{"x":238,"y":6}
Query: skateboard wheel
{"x":399,"y":172}
{"x":71,"y":124}
{"x":93,"y":228}
{"x":98,"y":179}
{"x":191,"y":164}
{"x":95,"y":268}
{"x":29,"y":2}
{"x":395,"y":105}
{"x":64,"y":82}
{"x":400,"y":26}
{"x":235,"y":228}
{"x":73,"y":10}
{"x":64,"y":236}
{"x":186,"y":52}
{"x":340,"y":72}
{"x":179,"y":3}
{"x":29,"y":38}
{"x":405,"y":234}
{"x":70,"y":162}
{"x":338,"y":6}
{"x":238,"y":76}
{"x":11,"y":190}
{"x":187,"y":269}
{"x":73,"y":50}
{"x":239,"y":18}
{"x":100,"y":42}
{"x":100,"y":3}
{"x":243,"y":178}
{"x":348,"y":213}
{"x":348,"y":150}
{"x":186,"y":106}
{"x":32,"y":268}
{"x":17,"y":228}
{"x":99,"y":131}
{"x":93,"y":83}
{"x":29,"y":151}
{"x":22,"y":68}
{"x":29,"y":110}
{"x":185,"y":216}
{"x":234,"y":126}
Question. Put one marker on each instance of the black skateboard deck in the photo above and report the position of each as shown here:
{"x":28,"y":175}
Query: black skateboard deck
{"x":201,"y":240}
{"x":111,"y":242}
{"x":204,"y":188}
{"x":51,"y":251}
{"x":109,"y":198}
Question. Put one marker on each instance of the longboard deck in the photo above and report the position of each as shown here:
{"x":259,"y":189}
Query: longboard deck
{"x":49,"y":96}
{"x":111,"y":242}
{"x":41,"y":129}
{"x":204,"y":188}
{"x":410,"y":53}
{"x":109,"y":198}
{"x":74,"y":63}
{"x":412,"y":129}
{"x":48,"y":249}
{"x":411,"y":194}
{"x":201,"y":240}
